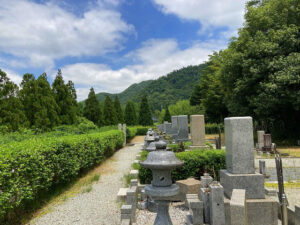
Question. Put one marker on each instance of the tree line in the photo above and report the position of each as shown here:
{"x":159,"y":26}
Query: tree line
{"x":37,"y":105}
{"x":259,"y":73}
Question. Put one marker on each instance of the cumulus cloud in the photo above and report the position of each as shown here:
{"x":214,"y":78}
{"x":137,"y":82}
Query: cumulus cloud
{"x":210,"y":13}
{"x":13,"y":76}
{"x":155,"y":58}
{"x":40,"y":33}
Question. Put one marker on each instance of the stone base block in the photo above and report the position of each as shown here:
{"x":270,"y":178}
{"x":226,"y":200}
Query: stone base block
{"x":259,"y":211}
{"x":188,"y":186}
{"x":121,"y":196}
{"x":252,"y":183}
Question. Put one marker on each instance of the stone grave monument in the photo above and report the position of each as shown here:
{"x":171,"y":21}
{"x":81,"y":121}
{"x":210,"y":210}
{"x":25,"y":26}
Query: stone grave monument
{"x":183,"y":129}
{"x":240,"y":172}
{"x":197,"y":131}
{"x":260,"y":139}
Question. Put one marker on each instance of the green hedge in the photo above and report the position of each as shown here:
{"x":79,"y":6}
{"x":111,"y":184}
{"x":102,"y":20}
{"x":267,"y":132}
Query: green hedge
{"x":213,"y":128}
{"x":196,"y":162}
{"x":31,"y":167}
{"x":136,"y":130}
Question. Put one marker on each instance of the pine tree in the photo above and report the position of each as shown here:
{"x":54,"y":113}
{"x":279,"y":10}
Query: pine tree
{"x":92,"y":110}
{"x":11,"y":109}
{"x":109,"y":113}
{"x":119,"y":111}
{"x":130,"y":114}
{"x":145,"y":117}
{"x":167,"y":116}
{"x":196,"y":96}
{"x":64,"y":98}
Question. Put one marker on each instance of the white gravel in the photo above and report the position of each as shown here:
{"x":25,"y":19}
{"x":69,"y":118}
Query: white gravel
{"x":99,"y":206}
{"x":286,"y":162}
{"x":177,"y":212}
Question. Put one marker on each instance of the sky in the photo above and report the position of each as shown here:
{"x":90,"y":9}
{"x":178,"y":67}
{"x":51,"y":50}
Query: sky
{"x":111,"y":44}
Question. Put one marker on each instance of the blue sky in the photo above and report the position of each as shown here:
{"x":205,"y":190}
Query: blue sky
{"x":111,"y":44}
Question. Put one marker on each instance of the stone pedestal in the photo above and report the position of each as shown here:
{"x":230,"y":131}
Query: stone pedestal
{"x":238,"y":207}
{"x":204,"y":197}
{"x":252,"y":183}
{"x":216,"y":203}
{"x":197,"y":131}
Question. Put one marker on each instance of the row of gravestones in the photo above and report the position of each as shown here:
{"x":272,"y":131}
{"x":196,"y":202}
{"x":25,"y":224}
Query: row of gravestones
{"x":179,"y":131}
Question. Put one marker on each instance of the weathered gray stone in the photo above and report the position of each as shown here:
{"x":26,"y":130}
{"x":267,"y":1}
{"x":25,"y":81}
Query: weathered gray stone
{"x":124,"y":132}
{"x":216,"y":203}
{"x":167,"y":127}
{"x":183,"y":133}
{"x":121,"y":196}
{"x":259,"y":211}
{"x":239,"y":145}
{"x":187,"y":186}
{"x":238,"y":207}
{"x":133,"y":182}
{"x":260,"y":139}
{"x":297,"y":214}
{"x":190,"y":196}
{"x":198,"y":130}
{"x":131,"y":199}
{"x":253,"y":183}
{"x":270,"y":191}
{"x":126,"y":212}
{"x":206,"y":180}
{"x":262,"y":167}
{"x":204,"y":197}
{"x":196,"y":208}
{"x":134,"y":173}
{"x":120,"y":126}
{"x":125,"y":222}
{"x":174,"y":121}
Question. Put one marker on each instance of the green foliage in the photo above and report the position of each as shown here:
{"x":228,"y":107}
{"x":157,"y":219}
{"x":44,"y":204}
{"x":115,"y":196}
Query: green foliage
{"x":167,"y":116}
{"x":166,"y":90}
{"x":145,"y":118}
{"x":184,"y":108}
{"x":92,"y":110}
{"x":65,"y":97}
{"x":33,"y":166}
{"x":196,"y":162}
{"x":213,"y":128}
{"x":130,"y":114}
{"x":196,"y":95}
{"x":12,"y":116}
{"x":119,"y":111}
{"x":135,"y":130}
{"x":109,"y":112}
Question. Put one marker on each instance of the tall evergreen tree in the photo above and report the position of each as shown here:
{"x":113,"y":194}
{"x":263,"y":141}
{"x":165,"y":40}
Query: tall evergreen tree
{"x":119,"y":111}
{"x":39,"y":103}
{"x":130,"y":114}
{"x":167,"y":116}
{"x":196,"y":95}
{"x":72,"y":92}
{"x":92,"y":110}
{"x":145,"y":117}
{"x":64,"y":99}
{"x":109,"y":113}
{"x":11,"y":108}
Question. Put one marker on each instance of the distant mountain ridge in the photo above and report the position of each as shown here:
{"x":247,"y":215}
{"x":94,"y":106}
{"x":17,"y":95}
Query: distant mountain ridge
{"x":166,"y":90}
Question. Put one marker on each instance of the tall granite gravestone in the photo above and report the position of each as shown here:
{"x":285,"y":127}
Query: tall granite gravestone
{"x":240,"y":173}
{"x":197,"y":131}
{"x":260,"y":139}
{"x":183,"y":133}
{"x":167,"y":127}
{"x":174,"y":131}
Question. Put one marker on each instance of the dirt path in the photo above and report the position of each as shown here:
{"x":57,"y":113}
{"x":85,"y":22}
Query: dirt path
{"x":93,"y":203}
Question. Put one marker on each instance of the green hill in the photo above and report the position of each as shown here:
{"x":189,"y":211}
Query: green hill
{"x":166,"y":90}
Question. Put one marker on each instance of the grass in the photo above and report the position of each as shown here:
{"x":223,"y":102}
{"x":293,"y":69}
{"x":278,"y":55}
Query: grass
{"x":286,"y":185}
{"x":292,"y":151}
{"x":127,"y":179}
{"x":87,"y":189}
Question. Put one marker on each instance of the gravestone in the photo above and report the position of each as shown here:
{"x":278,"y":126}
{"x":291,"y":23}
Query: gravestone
{"x":267,"y":142}
{"x":197,"y":131}
{"x":216,"y":204}
{"x":183,"y":133}
{"x":260,"y":139}
{"x":174,"y":131}
{"x":167,"y":127}
{"x":240,"y":173}
{"x":119,"y":126}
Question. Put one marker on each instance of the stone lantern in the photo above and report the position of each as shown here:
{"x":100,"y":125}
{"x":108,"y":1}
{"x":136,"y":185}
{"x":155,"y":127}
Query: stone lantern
{"x":161,"y":189}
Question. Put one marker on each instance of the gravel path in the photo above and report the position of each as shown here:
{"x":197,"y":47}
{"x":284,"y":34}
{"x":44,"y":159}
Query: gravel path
{"x":99,"y":206}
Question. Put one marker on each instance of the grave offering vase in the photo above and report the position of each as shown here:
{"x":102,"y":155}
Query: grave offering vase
{"x":162,"y":162}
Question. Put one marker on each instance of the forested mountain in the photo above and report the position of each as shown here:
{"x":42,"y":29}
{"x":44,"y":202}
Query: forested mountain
{"x":166,"y":90}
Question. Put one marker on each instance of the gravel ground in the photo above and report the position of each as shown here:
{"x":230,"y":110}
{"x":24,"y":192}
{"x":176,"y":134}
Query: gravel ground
{"x":99,"y":206}
{"x":177,"y":212}
{"x":286,"y":162}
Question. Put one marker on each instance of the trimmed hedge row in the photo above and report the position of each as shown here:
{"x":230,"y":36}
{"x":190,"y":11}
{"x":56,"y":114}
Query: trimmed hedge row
{"x":196,"y":162}
{"x":213,"y":128}
{"x":31,"y":167}
{"x":136,"y":130}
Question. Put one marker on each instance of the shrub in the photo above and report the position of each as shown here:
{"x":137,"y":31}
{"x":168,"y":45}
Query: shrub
{"x":196,"y":162}
{"x":213,"y":128}
{"x":136,"y":130}
{"x":33,"y":166}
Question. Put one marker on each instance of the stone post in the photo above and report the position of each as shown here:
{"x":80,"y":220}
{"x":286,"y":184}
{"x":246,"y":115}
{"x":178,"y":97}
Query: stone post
{"x":260,"y":139}
{"x":206,"y":180}
{"x":197,"y":131}
{"x":204,"y":197}
{"x":238,"y":207}
{"x":119,"y":126}
{"x":262,"y":167}
{"x":216,"y":203}
{"x":131,"y":199}
{"x":240,"y":173}
{"x":124,"y":131}
{"x":297,"y":214}
{"x":126,"y":212}
{"x":196,"y":208}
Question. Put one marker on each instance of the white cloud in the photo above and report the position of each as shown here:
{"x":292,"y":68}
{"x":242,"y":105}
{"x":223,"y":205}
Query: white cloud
{"x":210,"y":13}
{"x":155,"y":58}
{"x":13,"y":76}
{"x":40,"y":33}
